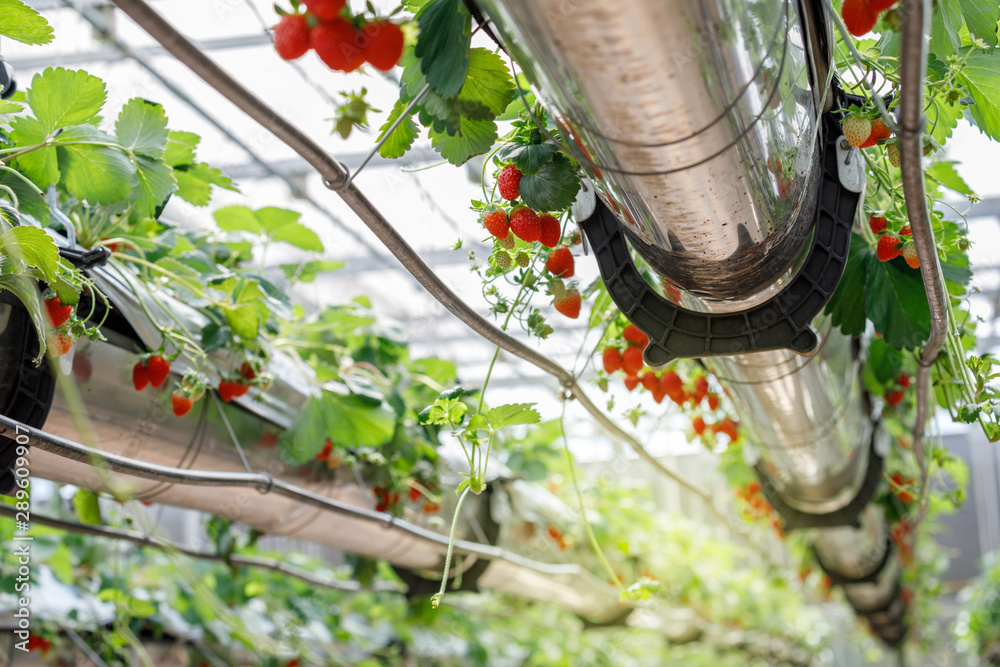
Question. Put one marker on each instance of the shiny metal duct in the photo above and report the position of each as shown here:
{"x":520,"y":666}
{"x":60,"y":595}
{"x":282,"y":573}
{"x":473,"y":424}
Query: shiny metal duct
{"x":698,"y":122}
{"x":694,"y":118}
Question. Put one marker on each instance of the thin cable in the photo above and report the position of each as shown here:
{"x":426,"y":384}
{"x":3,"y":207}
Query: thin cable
{"x":82,"y":645}
{"x":265,"y":482}
{"x":232,"y":433}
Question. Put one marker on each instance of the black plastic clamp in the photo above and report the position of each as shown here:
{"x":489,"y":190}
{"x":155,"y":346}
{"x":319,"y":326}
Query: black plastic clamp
{"x":85,"y":259}
{"x":782,"y":322}
{"x":845,"y":516}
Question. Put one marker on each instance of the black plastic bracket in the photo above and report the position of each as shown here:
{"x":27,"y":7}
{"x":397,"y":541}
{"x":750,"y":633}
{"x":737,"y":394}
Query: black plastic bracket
{"x":782,"y":322}
{"x":85,"y":259}
{"x":845,"y":516}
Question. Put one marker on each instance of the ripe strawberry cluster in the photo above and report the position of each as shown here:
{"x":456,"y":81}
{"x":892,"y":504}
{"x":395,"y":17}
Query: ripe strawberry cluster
{"x":755,"y":506}
{"x":387,"y":500}
{"x":888,"y":246}
{"x":342,"y":41}
{"x":901,"y":534}
{"x":902,"y":487}
{"x":864,"y":132}
{"x":556,"y":535}
{"x":154,"y":369}
{"x":520,"y":222}
{"x":895,"y":396}
{"x":860,"y":16}
{"x":59,"y":340}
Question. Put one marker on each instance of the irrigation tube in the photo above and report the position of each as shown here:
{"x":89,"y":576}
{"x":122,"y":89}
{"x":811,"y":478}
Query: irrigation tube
{"x":167,"y":546}
{"x":264,"y":483}
{"x":913,"y":71}
{"x":336,"y":176}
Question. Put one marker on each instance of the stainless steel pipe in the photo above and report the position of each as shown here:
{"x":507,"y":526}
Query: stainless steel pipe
{"x":694,"y":119}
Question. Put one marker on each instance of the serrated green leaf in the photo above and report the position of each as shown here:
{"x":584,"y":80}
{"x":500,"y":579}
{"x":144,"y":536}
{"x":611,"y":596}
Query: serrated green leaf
{"x":896,"y":303}
{"x":27,"y":292}
{"x":23,"y":24}
{"x":352,"y":421}
{"x":528,"y":159}
{"x":553,"y":188}
{"x":142,"y":128}
{"x":442,"y":46}
{"x":86,"y":507}
{"x":402,"y":138}
{"x":942,"y":119}
{"x":154,"y":183}
{"x":244,"y":321}
{"x":846,"y":306}
{"x":306,"y":272}
{"x":475,"y":138}
{"x":41,"y":165}
{"x":62,"y":98}
{"x":10,"y":107}
{"x":981,"y":78}
{"x":515,"y":413}
{"x":32,"y":246}
{"x":488,"y":82}
{"x":194,"y":183}
{"x":477,"y":423}
{"x":945,"y":174}
{"x":982,"y":16}
{"x":237,"y":218}
{"x":180,"y":148}
{"x":273,"y":218}
{"x":946,"y":26}
{"x":94,"y":173}
{"x":28,"y":200}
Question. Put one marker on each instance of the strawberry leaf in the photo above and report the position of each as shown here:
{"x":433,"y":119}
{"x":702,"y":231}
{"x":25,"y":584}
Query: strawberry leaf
{"x":509,"y":415}
{"x":61,"y":98}
{"x":529,"y":159}
{"x":23,"y":24}
{"x":981,"y":78}
{"x":896,"y":303}
{"x":475,"y":137}
{"x":443,"y":44}
{"x":846,"y":305}
{"x":981,"y":16}
{"x":488,"y":83}
{"x":86,"y":508}
{"x":142,"y":128}
{"x":553,"y":187}
{"x":402,"y":138}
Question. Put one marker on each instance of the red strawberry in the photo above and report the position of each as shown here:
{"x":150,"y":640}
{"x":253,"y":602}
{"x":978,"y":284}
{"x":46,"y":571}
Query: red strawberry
{"x":58,"y":313}
{"x":632,"y":361}
{"x":158,"y":368}
{"x":904,"y":381}
{"x":551,"y":231}
{"x":906,"y":231}
{"x":140,"y":376}
{"x":909,"y":253}
{"x":59,"y":343}
{"x":240,"y":388}
{"x":383,"y":42}
{"x":568,"y":304}
{"x":886,"y":248}
{"x":728,"y":426}
{"x":658,"y":394}
{"x":291,"y":36}
{"x":698,"y":424}
{"x":325,"y":10}
{"x":878,"y":6}
{"x":612,"y":359}
{"x":700,"y":390}
{"x":650,"y":381}
{"x":226,"y":390}
{"x":879,"y":131}
{"x":877,"y":223}
{"x":894,"y":397}
{"x":325,"y":453}
{"x":524,"y":223}
{"x":336,"y":44}
{"x":415,"y":494}
{"x":856,"y":127}
{"x":181,"y":403}
{"x":509,"y":183}
{"x":631,"y":382}
{"x":859,"y":19}
{"x":713,"y":402}
{"x":671,"y":383}
{"x":269,"y":439}
{"x":431,"y":507}
{"x":495,"y":221}
{"x":247,"y":371}
{"x":560,"y":263}
{"x":633,"y":335}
